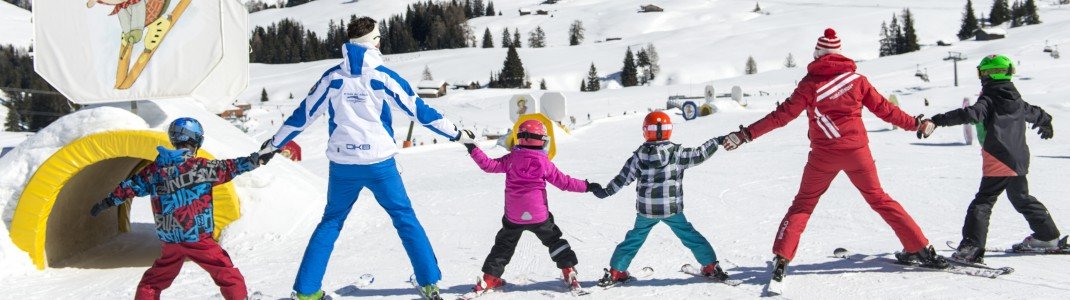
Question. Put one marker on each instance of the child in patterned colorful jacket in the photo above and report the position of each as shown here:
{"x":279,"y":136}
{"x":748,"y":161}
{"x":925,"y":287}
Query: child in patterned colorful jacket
{"x":181,"y":188}
{"x":659,"y":166}
{"x":527,"y":170}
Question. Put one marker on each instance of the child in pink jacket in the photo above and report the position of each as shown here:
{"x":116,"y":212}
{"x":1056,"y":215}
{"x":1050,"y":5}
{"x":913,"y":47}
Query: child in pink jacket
{"x":527,"y":170}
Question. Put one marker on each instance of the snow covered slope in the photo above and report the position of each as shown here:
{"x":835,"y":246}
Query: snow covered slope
{"x":736,"y":199}
{"x":15,"y":26}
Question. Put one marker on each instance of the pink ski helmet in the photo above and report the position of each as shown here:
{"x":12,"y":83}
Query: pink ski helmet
{"x":532,"y":134}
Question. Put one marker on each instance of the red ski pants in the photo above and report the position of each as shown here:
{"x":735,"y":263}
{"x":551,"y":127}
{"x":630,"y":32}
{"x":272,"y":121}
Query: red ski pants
{"x":821,"y":168}
{"x":205,"y":253}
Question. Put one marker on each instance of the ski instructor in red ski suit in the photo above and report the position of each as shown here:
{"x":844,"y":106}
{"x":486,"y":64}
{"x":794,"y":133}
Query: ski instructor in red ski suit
{"x":833,"y":95}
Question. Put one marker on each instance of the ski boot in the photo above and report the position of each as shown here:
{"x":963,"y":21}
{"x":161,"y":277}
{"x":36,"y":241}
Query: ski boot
{"x":780,"y":268}
{"x":489,"y":283}
{"x":714,"y":271}
{"x":569,"y":275}
{"x":430,"y":292}
{"x":927,"y":258}
{"x":969,"y":254}
{"x":613,"y":277}
{"x":1033,"y":244}
{"x":315,"y":296}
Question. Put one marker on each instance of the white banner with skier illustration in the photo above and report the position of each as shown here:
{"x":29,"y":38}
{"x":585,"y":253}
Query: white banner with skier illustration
{"x":101,"y":51}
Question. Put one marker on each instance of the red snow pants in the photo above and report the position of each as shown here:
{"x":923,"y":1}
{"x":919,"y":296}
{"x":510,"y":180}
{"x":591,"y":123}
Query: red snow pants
{"x":205,"y":253}
{"x":821,"y":168}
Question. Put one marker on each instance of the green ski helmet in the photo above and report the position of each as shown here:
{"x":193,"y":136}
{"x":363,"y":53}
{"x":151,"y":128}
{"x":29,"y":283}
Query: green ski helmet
{"x":995,"y":67}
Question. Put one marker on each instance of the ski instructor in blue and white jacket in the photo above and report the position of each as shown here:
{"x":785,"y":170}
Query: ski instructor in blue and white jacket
{"x":358,"y":95}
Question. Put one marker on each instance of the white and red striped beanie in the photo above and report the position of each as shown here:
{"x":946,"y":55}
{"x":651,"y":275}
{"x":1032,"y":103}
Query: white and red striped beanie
{"x":827,"y":44}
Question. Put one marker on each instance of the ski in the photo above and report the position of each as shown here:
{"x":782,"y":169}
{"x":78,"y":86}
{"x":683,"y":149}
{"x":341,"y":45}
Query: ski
{"x":420,"y":290}
{"x":952,"y":259}
{"x":1064,"y":248}
{"x":643,"y":273}
{"x":954,"y":269}
{"x":693,"y":271}
{"x":775,"y":286}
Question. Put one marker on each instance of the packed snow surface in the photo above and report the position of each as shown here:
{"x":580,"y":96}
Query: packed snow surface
{"x":736,"y":199}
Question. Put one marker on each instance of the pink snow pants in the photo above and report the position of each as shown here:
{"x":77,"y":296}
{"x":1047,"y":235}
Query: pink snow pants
{"x":821,"y":168}
{"x":205,"y":253}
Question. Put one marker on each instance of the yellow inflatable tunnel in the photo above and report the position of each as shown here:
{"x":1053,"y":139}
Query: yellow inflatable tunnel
{"x":52,"y":222}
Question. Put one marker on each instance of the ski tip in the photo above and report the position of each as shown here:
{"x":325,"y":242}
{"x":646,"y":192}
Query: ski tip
{"x":840,"y":252}
{"x":648,"y":269}
{"x":683,"y":268}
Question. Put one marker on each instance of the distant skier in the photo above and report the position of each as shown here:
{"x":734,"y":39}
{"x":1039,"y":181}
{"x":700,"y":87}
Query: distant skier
{"x":659,"y":166}
{"x":1003,"y":113}
{"x":181,"y":188}
{"x":833,"y":95}
{"x":527,"y":170}
{"x":358,"y":93}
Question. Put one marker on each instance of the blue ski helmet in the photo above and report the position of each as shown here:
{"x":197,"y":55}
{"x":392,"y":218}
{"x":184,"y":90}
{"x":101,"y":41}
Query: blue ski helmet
{"x":186,"y":131}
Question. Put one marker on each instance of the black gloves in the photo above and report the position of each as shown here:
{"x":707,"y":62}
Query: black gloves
{"x":471,"y":147}
{"x":925,"y":126}
{"x":734,"y":140}
{"x":98,"y":208}
{"x":1044,"y":129}
{"x":266,"y":153}
{"x":597,"y":190}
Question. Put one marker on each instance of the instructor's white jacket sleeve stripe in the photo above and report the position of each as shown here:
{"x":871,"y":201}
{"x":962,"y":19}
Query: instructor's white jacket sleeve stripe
{"x":314,"y":105}
{"x":406,"y":100}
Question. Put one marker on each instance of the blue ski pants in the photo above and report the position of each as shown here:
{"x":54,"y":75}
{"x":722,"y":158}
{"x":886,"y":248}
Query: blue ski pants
{"x":626,"y":250}
{"x":344,"y":185}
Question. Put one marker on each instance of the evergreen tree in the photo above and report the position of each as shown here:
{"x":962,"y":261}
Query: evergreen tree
{"x":643,"y":62}
{"x":887,"y":41}
{"x":757,"y":7}
{"x":896,"y":33}
{"x":1000,"y":13}
{"x":512,"y":75}
{"x":575,"y":33}
{"x":1016,"y":13}
{"x":478,"y":9}
{"x":1030,"y":16}
{"x":537,"y":38}
{"x":488,"y":40}
{"x":752,"y":66}
{"x":594,"y":83}
{"x":629,"y":75}
{"x":789,"y":62}
{"x":291,"y":96}
{"x":27,"y":110}
{"x":507,"y":40}
{"x":583,"y":85}
{"x":969,"y":22}
{"x":516,"y":38}
{"x":910,"y":36}
{"x":427,"y":73}
{"x":264,"y":95}
{"x":490,"y":9}
{"x":468,"y":12}
{"x":655,"y":67}
{"x":542,"y":84}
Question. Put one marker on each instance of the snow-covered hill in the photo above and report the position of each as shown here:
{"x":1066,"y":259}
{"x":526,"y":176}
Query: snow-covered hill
{"x":736,"y":199}
{"x":15,"y":27}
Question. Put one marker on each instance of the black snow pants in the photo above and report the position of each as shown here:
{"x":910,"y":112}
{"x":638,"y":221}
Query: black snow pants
{"x":975,"y":231}
{"x":507,"y":238}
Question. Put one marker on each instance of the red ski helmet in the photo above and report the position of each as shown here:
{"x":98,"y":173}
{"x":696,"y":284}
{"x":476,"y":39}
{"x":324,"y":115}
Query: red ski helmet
{"x":532,"y":133}
{"x":657,"y":127}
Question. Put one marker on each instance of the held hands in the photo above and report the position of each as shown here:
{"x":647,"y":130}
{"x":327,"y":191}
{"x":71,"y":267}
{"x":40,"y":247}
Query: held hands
{"x":734,"y":140}
{"x":466,"y":137}
{"x":925,"y":126}
{"x":597,"y":190}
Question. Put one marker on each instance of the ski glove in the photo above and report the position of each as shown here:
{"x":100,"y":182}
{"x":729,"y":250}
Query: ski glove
{"x":466,"y":137}
{"x":597,"y":190}
{"x":734,"y":140}
{"x":262,"y":159}
{"x":98,"y":208}
{"x":1045,"y":130}
{"x":925,"y":126}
